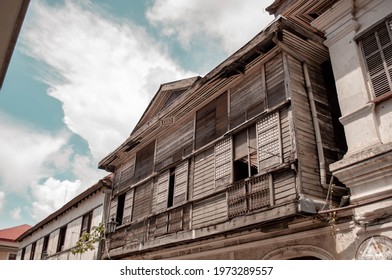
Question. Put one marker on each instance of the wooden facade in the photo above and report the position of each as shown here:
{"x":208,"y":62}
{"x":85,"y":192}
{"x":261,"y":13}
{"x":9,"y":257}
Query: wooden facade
{"x":243,"y":147}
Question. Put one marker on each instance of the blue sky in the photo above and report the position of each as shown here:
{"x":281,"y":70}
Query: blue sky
{"x":82,"y":74}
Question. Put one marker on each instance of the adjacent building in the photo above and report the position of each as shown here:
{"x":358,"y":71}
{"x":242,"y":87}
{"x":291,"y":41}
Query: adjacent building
{"x":54,"y":237}
{"x":235,"y":164}
{"x":8,"y":241}
{"x":358,"y":35}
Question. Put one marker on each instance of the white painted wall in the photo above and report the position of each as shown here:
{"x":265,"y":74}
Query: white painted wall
{"x":73,"y":219}
{"x":365,"y":124}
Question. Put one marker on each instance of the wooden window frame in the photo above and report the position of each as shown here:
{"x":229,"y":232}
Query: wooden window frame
{"x":120,"y":209}
{"x":86,"y":223}
{"x":23,"y":254}
{"x":249,"y":132}
{"x":61,"y":240}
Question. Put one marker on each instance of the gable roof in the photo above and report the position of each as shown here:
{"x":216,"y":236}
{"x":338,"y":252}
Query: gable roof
{"x":165,"y":95}
{"x":11,"y":234}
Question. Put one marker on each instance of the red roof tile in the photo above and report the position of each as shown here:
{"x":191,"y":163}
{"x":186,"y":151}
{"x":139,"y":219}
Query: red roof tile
{"x":13,"y":233}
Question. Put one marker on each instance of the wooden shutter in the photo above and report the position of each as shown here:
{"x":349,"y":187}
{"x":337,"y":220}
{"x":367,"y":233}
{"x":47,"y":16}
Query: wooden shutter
{"x":247,"y":98}
{"x":144,"y":162}
{"x":276,"y":92}
{"x":205,"y":125}
{"x":223,"y":158}
{"x":268,"y":141}
{"x":128,"y":205}
{"x":181,"y":183}
{"x":221,"y":115}
{"x":161,"y":193}
{"x":377,"y":49}
{"x":142,"y":201}
{"x":211,"y":121}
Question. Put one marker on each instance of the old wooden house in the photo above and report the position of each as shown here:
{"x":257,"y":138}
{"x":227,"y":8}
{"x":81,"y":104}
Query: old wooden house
{"x":234,"y":165}
{"x":54,"y":237}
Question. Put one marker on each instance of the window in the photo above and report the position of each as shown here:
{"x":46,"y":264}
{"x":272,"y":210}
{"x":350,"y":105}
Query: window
{"x":22,"y":256}
{"x":170,"y":197}
{"x":377,"y":50}
{"x":245,"y":154}
{"x":171,"y":187}
{"x":44,"y":252}
{"x":61,"y":240}
{"x":32,"y":252}
{"x":86,"y":223}
{"x":12,"y":257}
{"x":120,"y":209}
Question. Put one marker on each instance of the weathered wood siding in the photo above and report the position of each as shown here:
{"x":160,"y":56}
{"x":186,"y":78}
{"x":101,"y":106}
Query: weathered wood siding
{"x":209,"y":211}
{"x":284,"y":186}
{"x":328,"y":113}
{"x":304,"y":129}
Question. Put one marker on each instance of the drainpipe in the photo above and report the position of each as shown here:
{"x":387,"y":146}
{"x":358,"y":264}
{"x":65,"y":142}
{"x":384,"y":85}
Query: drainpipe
{"x":316,"y":125}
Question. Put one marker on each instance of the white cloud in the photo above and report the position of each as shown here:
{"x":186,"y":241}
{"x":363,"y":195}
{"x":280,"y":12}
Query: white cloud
{"x":2,"y":201}
{"x":232,"y":22}
{"x":85,"y":168}
{"x":104,"y":71}
{"x":52,"y":195}
{"x":16,"y":213}
{"x":27,"y":155}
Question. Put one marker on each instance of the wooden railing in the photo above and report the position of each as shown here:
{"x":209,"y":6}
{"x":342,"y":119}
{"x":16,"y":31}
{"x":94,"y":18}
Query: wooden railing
{"x":249,"y":195}
{"x":171,"y":221}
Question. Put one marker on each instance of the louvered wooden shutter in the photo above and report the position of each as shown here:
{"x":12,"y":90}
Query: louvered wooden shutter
{"x":247,"y":99}
{"x":181,"y":183}
{"x":377,"y":49}
{"x":211,"y":121}
{"x":142,"y":201}
{"x":144,"y":162}
{"x":125,"y":179}
{"x":162,"y":188}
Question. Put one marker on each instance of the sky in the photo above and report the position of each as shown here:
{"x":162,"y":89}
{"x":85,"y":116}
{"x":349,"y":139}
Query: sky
{"x":81,"y":75}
